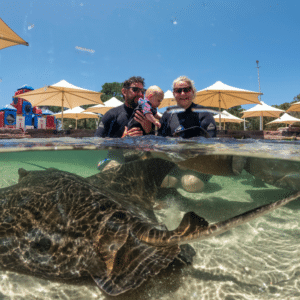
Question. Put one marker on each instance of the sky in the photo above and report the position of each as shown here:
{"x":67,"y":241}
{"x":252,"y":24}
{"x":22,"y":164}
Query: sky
{"x":89,"y":43}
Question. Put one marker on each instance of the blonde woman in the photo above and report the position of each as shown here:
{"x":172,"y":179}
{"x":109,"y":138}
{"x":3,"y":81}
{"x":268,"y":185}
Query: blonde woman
{"x":187,"y":119}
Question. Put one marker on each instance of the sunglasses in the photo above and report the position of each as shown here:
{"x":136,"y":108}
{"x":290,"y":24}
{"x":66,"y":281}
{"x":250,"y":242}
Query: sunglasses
{"x":136,"y":89}
{"x":186,"y":90}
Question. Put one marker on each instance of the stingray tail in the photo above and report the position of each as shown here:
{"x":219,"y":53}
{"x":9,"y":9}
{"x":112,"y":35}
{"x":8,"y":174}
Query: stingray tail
{"x":193,"y":227}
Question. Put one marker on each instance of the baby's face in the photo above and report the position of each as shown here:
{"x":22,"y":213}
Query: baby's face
{"x":156,"y":99}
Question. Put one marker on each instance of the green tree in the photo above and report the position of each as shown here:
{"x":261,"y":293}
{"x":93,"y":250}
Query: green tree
{"x":236,"y":111}
{"x":296,"y":99}
{"x":111,"y":89}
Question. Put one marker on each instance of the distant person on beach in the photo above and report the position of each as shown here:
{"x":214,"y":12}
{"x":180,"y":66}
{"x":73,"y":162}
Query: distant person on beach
{"x":148,"y":106}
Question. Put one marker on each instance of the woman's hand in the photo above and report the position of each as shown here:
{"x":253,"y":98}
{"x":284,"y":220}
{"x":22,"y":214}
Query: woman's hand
{"x":135,"y":131}
{"x":139,"y":117}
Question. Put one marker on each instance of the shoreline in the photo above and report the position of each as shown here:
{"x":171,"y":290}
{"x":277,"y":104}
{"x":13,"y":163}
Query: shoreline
{"x":8,"y":133}
{"x":282,"y":134}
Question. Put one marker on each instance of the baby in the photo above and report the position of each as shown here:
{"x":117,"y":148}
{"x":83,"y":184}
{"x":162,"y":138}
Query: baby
{"x":148,"y":106}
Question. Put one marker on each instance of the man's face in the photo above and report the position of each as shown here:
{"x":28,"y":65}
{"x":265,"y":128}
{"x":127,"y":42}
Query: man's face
{"x":131,"y":97}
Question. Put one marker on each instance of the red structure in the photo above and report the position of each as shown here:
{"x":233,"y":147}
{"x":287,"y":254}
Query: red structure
{"x":27,"y":114}
{"x":36,"y":110}
{"x":1,"y":119}
{"x":50,"y":122}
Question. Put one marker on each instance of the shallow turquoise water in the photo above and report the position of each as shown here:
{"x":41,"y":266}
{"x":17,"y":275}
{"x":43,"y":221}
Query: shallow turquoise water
{"x":258,"y":260}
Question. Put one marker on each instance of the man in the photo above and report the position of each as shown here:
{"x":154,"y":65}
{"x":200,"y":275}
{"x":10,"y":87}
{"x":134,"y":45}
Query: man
{"x":114,"y":122}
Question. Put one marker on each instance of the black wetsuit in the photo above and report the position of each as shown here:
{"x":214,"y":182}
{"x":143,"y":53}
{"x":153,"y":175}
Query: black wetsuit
{"x":188,"y":123}
{"x":114,"y":121}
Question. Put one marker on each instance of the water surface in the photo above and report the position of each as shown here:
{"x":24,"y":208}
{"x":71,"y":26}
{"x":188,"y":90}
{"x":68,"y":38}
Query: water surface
{"x":258,"y":260}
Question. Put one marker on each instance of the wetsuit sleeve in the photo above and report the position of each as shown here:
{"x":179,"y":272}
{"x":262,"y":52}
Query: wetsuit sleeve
{"x":165,"y":128}
{"x":105,"y":126}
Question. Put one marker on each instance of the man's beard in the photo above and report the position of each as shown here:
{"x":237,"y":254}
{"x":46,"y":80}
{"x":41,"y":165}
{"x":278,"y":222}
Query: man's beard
{"x":132,"y":103}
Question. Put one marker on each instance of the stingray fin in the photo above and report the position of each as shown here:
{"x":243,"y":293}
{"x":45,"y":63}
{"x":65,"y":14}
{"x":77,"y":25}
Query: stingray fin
{"x":135,"y":182}
{"x":191,"y":225}
{"x":133,"y":263}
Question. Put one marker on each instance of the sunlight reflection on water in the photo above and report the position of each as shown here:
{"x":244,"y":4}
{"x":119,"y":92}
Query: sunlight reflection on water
{"x":258,"y":260}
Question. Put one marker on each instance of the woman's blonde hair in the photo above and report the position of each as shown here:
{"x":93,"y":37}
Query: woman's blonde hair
{"x":185,"y":79}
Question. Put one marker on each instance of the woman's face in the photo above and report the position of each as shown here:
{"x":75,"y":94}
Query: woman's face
{"x":183,"y":94}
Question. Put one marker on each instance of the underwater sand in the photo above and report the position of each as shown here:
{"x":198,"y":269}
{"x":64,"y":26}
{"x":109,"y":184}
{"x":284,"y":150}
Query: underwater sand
{"x":258,"y":260}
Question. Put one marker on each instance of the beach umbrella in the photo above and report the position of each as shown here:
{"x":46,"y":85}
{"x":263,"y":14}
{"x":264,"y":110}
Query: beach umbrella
{"x":8,"y":37}
{"x":76,"y":113}
{"x":294,"y":107}
{"x":224,"y":96}
{"x":286,"y":119}
{"x":262,"y":110}
{"x":168,"y":100}
{"x":102,"y":109}
{"x":62,"y":94}
{"x":226,"y":117}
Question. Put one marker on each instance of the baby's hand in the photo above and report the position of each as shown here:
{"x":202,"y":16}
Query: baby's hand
{"x":157,"y":124}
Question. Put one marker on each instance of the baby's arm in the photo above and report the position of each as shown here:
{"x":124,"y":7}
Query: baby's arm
{"x":151,"y":118}
{"x":157,"y":116}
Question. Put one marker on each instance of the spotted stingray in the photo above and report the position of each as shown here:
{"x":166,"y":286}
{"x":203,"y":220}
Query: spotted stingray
{"x":55,"y":224}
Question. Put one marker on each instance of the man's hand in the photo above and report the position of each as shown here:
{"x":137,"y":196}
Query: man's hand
{"x":139,"y":117}
{"x":135,"y":131}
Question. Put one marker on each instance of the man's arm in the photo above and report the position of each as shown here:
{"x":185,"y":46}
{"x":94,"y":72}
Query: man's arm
{"x":147,"y":125}
{"x":104,"y":126}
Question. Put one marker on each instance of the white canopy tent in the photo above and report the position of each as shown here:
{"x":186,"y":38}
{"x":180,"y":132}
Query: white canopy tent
{"x":227,"y":117}
{"x":286,"y":119}
{"x":262,"y":110}
{"x":225,"y":96}
{"x":62,"y":94}
{"x":113,"y":102}
{"x":294,"y":107}
{"x":76,"y":113}
{"x":103,"y":108}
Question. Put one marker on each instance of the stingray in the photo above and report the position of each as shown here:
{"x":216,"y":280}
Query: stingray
{"x":55,"y":224}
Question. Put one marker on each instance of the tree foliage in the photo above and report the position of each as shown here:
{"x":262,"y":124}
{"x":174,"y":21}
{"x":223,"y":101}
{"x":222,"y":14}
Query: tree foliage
{"x":111,"y":89}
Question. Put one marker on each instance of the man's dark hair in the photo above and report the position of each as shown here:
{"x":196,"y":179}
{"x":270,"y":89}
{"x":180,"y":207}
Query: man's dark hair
{"x":133,"y":79}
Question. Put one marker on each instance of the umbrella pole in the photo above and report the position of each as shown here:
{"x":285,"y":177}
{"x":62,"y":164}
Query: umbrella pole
{"x":76,"y":124}
{"x":62,"y":111}
{"x":220,"y":124}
